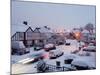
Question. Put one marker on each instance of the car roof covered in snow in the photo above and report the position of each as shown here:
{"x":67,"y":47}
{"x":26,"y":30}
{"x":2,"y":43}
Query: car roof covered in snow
{"x":57,"y":50}
{"x":48,"y":45}
{"x":90,"y":47}
{"x":70,"y":56}
{"x":79,"y":62}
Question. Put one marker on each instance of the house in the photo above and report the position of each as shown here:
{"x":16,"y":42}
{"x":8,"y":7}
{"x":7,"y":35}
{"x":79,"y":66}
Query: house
{"x":30,"y":37}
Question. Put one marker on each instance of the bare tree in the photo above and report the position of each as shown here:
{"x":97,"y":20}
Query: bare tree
{"x":89,"y":27}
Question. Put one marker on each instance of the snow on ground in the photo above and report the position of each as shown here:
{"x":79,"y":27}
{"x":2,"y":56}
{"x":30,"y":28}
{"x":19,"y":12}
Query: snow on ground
{"x":21,"y":68}
{"x":18,"y":68}
{"x":16,"y":58}
{"x":31,"y":68}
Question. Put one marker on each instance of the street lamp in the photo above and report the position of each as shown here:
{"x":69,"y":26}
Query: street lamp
{"x":26,"y":23}
{"x":78,"y":37}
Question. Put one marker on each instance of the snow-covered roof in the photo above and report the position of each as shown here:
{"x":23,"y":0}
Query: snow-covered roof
{"x":85,"y":31}
{"x":45,"y":30}
{"x":19,"y":28}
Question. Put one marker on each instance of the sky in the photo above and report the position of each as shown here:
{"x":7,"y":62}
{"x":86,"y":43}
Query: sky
{"x":52,"y":15}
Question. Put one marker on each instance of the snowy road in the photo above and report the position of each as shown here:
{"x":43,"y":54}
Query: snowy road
{"x":20,"y":68}
{"x":31,"y":68}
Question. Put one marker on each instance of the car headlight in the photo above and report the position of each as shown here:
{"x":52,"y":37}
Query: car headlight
{"x":23,"y":60}
{"x":27,"y":60}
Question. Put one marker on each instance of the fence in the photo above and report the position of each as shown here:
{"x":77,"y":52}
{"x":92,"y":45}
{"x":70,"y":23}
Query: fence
{"x":53,"y":68}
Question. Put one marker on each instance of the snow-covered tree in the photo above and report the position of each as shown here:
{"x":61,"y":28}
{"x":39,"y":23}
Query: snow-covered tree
{"x":89,"y":27}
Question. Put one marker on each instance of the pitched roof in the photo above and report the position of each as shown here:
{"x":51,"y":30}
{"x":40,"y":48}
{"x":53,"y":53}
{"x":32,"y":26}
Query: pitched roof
{"x":18,"y":28}
{"x":29,"y":29}
{"x":37,"y":30}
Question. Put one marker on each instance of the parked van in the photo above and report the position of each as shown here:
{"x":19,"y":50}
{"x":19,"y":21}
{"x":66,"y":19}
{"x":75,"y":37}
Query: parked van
{"x":18,"y":48}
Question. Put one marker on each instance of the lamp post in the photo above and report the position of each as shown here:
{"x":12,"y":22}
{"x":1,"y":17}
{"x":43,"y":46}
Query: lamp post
{"x":26,"y":23}
{"x":78,"y":37}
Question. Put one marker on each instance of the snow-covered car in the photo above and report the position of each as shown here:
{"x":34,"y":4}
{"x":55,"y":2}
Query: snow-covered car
{"x":80,"y":64}
{"x":81,"y":44}
{"x":55,"y":54}
{"x":49,"y":47}
{"x":94,"y":42}
{"x":68,"y":42}
{"x":18,"y":48}
{"x":32,"y":58}
{"x":90,"y":48}
{"x":68,"y":58}
{"x":71,"y":42}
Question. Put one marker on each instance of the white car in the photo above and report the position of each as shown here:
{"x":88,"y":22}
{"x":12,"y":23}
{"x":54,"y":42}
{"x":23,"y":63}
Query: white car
{"x":55,"y":54}
{"x":68,"y":42}
{"x":71,"y":42}
{"x":81,"y":64}
{"x":49,"y":47}
{"x":68,"y":58}
{"x":87,"y":51}
{"x":90,"y":48}
{"x":18,"y":48}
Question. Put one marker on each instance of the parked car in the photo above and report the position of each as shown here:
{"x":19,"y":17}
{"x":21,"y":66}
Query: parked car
{"x":68,"y":58}
{"x":55,"y":54}
{"x":80,"y":64}
{"x":32,"y":58}
{"x":94,"y":42}
{"x":49,"y":47}
{"x":70,"y":42}
{"x":90,"y":48}
{"x":67,"y":42}
{"x":18,"y":48}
